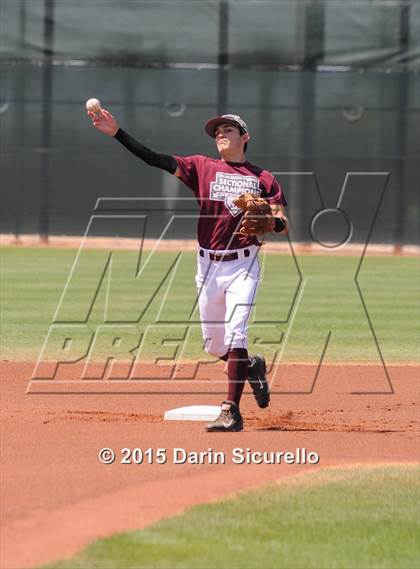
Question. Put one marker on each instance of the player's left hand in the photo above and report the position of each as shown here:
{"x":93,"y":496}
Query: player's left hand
{"x":258,"y":217}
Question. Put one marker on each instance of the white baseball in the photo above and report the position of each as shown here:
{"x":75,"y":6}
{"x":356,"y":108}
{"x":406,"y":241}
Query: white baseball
{"x":93,"y":106}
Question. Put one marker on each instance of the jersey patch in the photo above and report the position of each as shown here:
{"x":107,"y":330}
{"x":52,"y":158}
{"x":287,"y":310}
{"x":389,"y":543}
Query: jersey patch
{"x":227,"y":187}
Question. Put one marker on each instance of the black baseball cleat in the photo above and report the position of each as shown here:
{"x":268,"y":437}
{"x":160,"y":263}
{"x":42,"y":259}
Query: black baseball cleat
{"x":256,"y":377}
{"x":230,"y":419}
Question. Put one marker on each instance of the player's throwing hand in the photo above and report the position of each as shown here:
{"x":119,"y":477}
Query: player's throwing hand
{"x":104,"y":121}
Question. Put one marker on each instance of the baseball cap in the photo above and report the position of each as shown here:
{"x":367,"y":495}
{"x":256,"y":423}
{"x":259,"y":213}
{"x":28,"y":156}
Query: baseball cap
{"x":234,"y":120}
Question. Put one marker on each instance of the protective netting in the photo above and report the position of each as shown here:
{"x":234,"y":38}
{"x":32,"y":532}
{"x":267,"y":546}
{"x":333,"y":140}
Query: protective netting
{"x":315,"y":125}
{"x":254,"y":32}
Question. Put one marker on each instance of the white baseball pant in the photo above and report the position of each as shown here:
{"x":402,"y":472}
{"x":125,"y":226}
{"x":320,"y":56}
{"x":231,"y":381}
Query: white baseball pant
{"x":226,"y":295}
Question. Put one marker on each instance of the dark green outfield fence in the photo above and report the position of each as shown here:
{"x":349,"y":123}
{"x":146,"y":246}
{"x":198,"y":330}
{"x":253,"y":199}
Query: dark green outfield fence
{"x":328,"y":89}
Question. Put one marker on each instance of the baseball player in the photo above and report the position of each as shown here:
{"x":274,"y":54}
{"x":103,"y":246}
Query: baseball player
{"x":238,"y":201}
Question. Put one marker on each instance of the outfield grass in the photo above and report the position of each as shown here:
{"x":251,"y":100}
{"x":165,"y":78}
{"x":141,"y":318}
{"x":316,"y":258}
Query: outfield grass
{"x":33,"y":281}
{"x":344,"y":518}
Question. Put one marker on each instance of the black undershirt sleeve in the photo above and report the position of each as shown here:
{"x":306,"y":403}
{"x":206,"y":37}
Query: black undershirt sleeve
{"x":162,"y":161}
{"x":279,"y":224}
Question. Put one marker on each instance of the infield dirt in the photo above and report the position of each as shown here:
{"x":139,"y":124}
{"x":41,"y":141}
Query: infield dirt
{"x":57,"y":496}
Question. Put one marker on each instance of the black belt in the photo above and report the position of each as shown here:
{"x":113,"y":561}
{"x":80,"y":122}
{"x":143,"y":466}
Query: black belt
{"x":224,"y":256}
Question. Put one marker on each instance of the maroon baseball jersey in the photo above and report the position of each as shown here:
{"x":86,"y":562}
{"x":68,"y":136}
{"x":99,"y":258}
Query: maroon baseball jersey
{"x":216,"y":184}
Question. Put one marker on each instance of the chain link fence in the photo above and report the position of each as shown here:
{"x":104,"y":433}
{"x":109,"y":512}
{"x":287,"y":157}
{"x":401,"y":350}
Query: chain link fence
{"x":327,"y":88}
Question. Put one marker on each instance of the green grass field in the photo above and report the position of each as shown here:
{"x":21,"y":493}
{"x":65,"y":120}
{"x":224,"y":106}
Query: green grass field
{"x":355,"y":518}
{"x":341,"y":518}
{"x":303,"y":308}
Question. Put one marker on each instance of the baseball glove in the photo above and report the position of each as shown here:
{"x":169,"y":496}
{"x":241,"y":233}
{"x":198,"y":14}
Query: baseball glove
{"x":258,"y":218}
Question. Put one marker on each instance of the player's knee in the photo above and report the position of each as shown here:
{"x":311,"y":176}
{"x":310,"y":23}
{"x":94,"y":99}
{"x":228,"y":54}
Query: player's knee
{"x":215,"y":351}
{"x":236,"y":341}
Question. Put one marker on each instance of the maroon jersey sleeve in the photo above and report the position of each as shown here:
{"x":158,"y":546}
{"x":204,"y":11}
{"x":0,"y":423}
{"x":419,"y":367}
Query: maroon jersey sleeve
{"x":188,"y":166}
{"x":275,"y":194}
